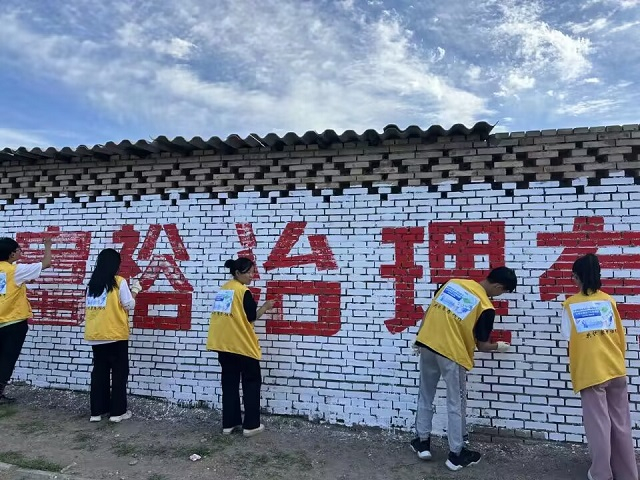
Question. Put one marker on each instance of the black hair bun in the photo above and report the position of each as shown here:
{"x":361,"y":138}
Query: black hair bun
{"x":229,"y":264}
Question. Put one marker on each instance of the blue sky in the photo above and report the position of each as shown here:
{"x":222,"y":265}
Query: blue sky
{"x":91,"y":71}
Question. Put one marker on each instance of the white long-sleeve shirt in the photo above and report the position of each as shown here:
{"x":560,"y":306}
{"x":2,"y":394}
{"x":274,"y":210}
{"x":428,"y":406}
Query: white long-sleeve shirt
{"x":25,"y":272}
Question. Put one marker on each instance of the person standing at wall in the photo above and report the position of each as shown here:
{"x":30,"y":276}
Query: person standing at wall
{"x":232,"y":335}
{"x":15,"y":309}
{"x":108,"y":303}
{"x":597,"y":345}
{"x":459,"y":320}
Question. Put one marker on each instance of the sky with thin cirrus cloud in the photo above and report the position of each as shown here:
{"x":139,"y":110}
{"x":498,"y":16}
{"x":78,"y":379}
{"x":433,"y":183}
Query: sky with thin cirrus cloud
{"x":86,"y":72}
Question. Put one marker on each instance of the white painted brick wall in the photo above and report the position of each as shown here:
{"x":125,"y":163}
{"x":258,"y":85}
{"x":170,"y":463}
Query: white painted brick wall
{"x":363,"y":374}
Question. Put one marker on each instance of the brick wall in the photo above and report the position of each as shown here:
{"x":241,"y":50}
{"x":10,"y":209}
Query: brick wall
{"x":351,"y":240}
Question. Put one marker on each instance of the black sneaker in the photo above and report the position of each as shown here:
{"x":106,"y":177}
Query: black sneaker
{"x":466,"y":458}
{"x":422,"y":448}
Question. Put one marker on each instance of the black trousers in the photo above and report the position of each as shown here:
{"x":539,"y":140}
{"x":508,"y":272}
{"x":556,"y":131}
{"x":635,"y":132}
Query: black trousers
{"x":109,"y":378}
{"x":236,"y":368}
{"x":11,"y":341}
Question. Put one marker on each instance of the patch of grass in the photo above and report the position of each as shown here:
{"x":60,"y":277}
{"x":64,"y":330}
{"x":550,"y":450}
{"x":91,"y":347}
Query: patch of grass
{"x":220,"y":442}
{"x":82,"y":437}
{"x":158,"y":450}
{"x":123,"y":449}
{"x":298,"y":460}
{"x":33,"y":426}
{"x":272,"y":465}
{"x":83,"y":440}
{"x":18,"y":459}
{"x":7,"y":411}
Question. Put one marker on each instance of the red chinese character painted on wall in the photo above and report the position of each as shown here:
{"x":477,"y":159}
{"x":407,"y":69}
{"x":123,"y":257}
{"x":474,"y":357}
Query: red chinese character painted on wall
{"x":328,"y":322}
{"x":321,"y":255}
{"x":459,"y":242}
{"x":249,"y":241}
{"x":328,"y":294}
{"x":62,"y":303}
{"x":181,"y":296}
{"x":467,"y":249}
{"x":404,"y":272}
{"x":587,"y":236}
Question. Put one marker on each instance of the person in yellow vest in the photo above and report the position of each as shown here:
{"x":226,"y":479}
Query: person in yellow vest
{"x":232,"y":335}
{"x":15,"y":309}
{"x":459,"y":320}
{"x":108,"y":302}
{"x":592,"y":325}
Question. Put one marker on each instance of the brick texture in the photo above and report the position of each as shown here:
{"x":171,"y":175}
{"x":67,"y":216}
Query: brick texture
{"x":351,"y":241}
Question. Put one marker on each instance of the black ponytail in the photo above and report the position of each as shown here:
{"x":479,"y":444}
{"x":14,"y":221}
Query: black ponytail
{"x":240,"y":265}
{"x":104,"y":274}
{"x":587,"y":269}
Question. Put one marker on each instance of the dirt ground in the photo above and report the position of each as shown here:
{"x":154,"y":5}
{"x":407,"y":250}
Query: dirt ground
{"x":49,"y":430}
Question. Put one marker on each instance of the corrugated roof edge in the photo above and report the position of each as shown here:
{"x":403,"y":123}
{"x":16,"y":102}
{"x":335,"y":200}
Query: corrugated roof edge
{"x":234,"y":142}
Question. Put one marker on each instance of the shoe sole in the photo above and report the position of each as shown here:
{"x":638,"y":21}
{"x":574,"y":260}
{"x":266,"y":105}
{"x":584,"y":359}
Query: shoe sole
{"x":230,"y":431}
{"x":118,"y":420}
{"x":252,"y":433}
{"x":422,"y":456}
{"x":95,"y":419}
{"x":457,"y":468}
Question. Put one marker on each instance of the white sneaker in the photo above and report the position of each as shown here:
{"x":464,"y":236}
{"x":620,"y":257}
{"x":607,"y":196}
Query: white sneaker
{"x":229,"y":431}
{"x":95,"y":418}
{"x":253,"y":432}
{"x":119,"y":418}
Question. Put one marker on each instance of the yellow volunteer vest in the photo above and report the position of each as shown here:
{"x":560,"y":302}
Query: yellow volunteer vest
{"x":229,"y":329}
{"x":14,"y":304}
{"x":597,"y":343}
{"x":106,"y":318}
{"x":449,"y":322}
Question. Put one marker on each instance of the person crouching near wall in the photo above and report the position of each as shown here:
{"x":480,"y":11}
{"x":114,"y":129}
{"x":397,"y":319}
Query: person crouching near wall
{"x":597,"y":345}
{"x":15,"y":309}
{"x":108,"y":303}
{"x":459,"y":320}
{"x":232,"y":335}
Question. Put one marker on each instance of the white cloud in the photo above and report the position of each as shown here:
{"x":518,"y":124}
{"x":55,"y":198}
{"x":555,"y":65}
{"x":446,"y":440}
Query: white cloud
{"x":439,"y":55}
{"x":175,"y":68}
{"x":622,"y":4}
{"x":514,"y":83}
{"x":590,"y":26}
{"x":12,"y":138}
{"x":175,"y":47}
{"x":599,"y":107}
{"x":624,"y":26}
{"x":474,"y":72}
{"x":346,"y":4}
{"x":292,"y":67}
{"x":628,"y":3}
{"x":539,"y":46}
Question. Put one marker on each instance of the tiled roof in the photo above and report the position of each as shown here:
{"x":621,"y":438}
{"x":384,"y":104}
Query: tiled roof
{"x":234,"y":143}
